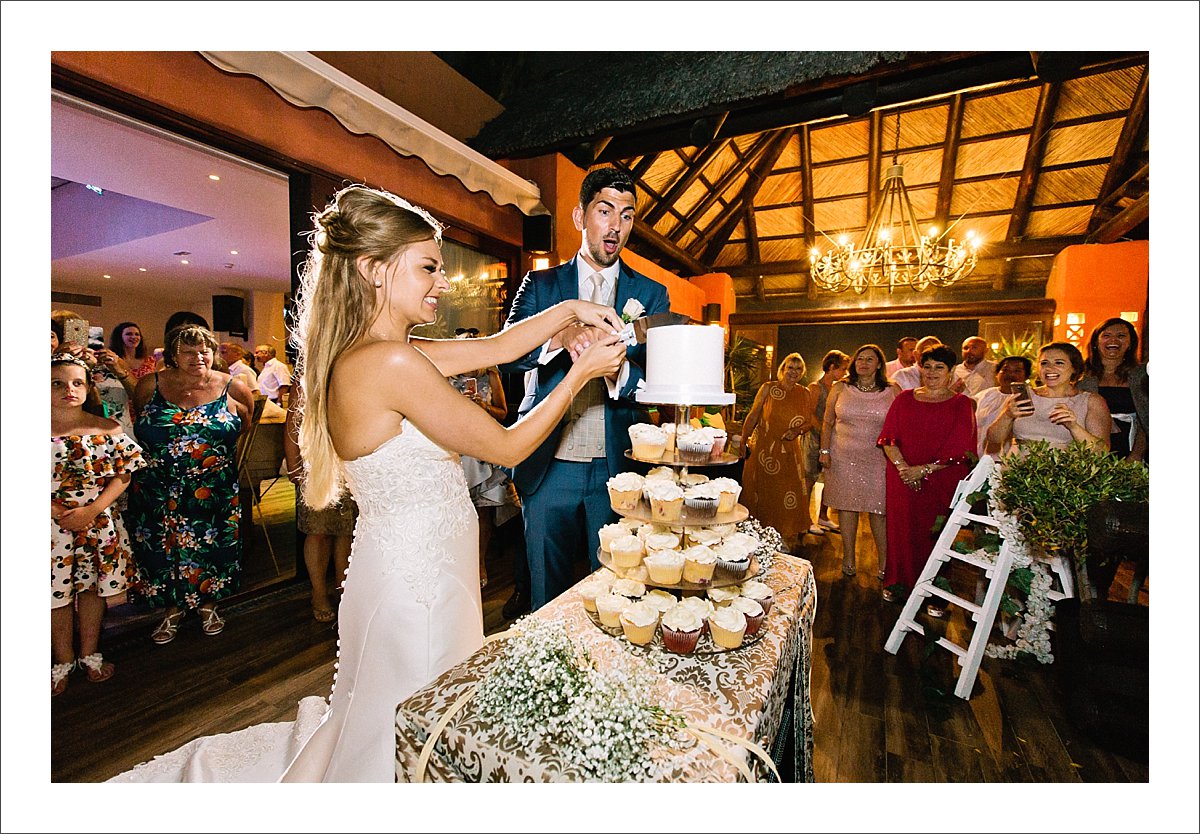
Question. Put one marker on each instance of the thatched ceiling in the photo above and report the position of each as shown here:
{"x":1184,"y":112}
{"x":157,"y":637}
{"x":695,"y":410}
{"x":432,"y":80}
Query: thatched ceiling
{"x":746,"y":159}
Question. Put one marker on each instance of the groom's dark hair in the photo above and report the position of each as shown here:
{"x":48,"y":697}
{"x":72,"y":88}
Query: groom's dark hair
{"x":603,"y":178}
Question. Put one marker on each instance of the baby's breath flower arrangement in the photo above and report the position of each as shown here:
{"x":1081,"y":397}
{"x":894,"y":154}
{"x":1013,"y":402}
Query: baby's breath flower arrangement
{"x":546,"y":687}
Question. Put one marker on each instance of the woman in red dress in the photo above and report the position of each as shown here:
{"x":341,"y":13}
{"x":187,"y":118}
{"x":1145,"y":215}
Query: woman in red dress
{"x":928,"y":436}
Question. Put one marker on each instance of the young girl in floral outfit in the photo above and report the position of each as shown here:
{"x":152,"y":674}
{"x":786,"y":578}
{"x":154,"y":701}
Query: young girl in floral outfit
{"x":91,"y":459}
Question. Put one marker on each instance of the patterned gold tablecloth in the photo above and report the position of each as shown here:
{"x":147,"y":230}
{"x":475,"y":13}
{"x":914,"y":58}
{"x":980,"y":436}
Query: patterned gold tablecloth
{"x":743,"y":692}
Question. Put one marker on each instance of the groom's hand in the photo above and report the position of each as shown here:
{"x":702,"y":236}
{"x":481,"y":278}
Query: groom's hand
{"x":576,"y":338}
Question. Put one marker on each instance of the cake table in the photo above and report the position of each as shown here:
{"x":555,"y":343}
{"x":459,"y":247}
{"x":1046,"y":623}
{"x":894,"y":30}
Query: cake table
{"x":759,"y":693}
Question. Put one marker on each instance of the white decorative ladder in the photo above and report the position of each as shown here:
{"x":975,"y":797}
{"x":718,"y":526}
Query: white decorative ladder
{"x":995,"y":573}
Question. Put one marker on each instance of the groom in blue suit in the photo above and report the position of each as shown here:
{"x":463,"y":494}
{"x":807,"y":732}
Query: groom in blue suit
{"x":563,"y":484}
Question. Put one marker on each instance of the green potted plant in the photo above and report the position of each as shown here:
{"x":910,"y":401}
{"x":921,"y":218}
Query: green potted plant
{"x":742,"y":362}
{"x":1048,"y":491}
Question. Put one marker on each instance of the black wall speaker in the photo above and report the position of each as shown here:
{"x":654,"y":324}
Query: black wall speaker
{"x":537,"y":233}
{"x":229,"y":315}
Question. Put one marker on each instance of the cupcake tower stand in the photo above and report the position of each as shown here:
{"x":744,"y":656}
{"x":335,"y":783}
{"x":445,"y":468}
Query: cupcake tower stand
{"x":683,"y":400}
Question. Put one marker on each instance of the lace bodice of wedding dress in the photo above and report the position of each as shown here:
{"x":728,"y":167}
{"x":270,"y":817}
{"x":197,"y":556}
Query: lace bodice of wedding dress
{"x":411,"y":610}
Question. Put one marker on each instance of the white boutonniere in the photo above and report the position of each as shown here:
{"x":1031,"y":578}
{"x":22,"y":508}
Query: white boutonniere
{"x":633,"y":309}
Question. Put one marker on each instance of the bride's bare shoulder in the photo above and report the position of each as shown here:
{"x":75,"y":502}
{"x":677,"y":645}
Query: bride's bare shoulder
{"x":372,"y":357}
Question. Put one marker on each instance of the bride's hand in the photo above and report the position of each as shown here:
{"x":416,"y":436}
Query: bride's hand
{"x":601,"y":358}
{"x":596,"y":315}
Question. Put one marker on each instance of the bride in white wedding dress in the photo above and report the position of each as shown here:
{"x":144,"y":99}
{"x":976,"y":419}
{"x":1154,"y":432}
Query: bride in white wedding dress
{"x":381,"y":418}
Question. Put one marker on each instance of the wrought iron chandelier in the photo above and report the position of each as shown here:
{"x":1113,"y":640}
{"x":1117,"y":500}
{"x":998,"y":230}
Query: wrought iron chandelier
{"x":894,"y":252}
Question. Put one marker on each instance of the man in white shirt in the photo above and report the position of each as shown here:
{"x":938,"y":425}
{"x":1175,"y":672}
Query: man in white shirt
{"x":274,"y":380}
{"x":973,"y":373}
{"x":235,"y":357}
{"x":906,"y":356}
{"x":910,"y":377}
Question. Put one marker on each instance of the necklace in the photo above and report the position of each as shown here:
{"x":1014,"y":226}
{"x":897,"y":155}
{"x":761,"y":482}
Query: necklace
{"x":866,"y":389}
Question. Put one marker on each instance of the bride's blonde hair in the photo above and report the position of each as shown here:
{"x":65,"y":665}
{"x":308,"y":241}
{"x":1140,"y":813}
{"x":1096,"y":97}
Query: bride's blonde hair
{"x":336,"y":305}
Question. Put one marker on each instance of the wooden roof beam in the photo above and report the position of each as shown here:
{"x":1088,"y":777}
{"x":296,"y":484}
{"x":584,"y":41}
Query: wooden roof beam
{"x":804,"y":136}
{"x":723,"y":225}
{"x":949,"y":161}
{"x":1120,"y":225}
{"x":1127,"y":143}
{"x":644,"y":164}
{"x":752,"y":252}
{"x":654,"y":239}
{"x":1043,"y":120}
{"x":685,"y":180}
{"x":719,"y":188}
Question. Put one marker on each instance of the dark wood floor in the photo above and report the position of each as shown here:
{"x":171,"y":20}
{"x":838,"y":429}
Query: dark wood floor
{"x":879,"y":718}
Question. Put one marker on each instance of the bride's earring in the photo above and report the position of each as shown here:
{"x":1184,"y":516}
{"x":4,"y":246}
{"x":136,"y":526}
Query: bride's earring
{"x":378,"y":283}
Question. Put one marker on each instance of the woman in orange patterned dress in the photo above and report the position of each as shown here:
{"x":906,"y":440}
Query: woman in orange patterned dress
{"x":774,"y":488}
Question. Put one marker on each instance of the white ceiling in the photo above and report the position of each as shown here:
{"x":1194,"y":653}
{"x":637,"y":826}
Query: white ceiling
{"x":248,"y":208}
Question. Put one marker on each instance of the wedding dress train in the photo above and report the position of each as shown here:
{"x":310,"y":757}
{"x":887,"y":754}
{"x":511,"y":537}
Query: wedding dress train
{"x":411,"y":609}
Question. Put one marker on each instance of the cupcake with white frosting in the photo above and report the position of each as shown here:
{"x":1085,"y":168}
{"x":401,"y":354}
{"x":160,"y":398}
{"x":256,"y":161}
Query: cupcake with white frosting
{"x":690,"y":479}
{"x":681,"y":629}
{"x":702,"y":535}
{"x":609,"y":532}
{"x":666,"y":501}
{"x":724,"y":595}
{"x":665,"y":567}
{"x":627,"y":551}
{"x":733,"y":560}
{"x":661,"y":473}
{"x":592,"y":588}
{"x":631,"y":589}
{"x":730,"y":492}
{"x":701,"y":500}
{"x":639,"y":621}
{"x":660,"y":541}
{"x":664,"y":601}
{"x":760,"y":592}
{"x":753,"y":611}
{"x":696,"y":446}
{"x":699,"y":563}
{"x":609,"y":608}
{"x":702,"y":608}
{"x":625,"y":490}
{"x":727,"y":625}
{"x":649,"y":441}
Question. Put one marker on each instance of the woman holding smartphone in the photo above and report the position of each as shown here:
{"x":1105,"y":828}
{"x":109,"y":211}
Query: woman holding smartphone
{"x":1055,"y":411}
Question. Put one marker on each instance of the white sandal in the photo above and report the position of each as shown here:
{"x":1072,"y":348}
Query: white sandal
{"x":59,"y":673}
{"x":97,"y":670}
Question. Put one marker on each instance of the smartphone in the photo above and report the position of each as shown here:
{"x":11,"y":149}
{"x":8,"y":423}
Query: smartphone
{"x":75,"y":332}
{"x":1021,"y":389}
{"x":470,"y":386}
{"x":96,"y":338}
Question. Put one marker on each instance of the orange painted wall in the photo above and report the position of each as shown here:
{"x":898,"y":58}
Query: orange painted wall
{"x":246,"y":107}
{"x":1100,"y":280}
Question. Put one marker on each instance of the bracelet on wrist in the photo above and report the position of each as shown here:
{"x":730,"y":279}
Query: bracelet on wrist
{"x":824,"y":451}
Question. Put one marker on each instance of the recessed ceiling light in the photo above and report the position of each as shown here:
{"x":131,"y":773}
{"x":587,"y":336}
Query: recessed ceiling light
{"x":141,"y":269}
{"x":214,"y":177}
{"x":232,"y":251}
{"x":184,"y":261}
{"x":107,"y":276}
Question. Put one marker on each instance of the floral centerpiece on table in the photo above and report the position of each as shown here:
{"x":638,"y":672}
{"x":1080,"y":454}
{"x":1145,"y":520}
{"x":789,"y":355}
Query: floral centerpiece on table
{"x":546,"y":687}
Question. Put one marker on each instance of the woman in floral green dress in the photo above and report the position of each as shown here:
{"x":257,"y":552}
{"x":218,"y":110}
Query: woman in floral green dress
{"x":184,"y":509}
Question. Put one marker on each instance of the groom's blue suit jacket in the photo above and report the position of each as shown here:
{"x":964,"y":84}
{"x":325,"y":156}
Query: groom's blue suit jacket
{"x":545,"y":288}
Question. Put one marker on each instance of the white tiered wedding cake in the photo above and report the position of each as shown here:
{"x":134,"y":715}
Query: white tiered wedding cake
{"x":685,"y":365}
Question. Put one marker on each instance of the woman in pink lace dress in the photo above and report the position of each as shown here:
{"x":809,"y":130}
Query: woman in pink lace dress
{"x":854,"y":466}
